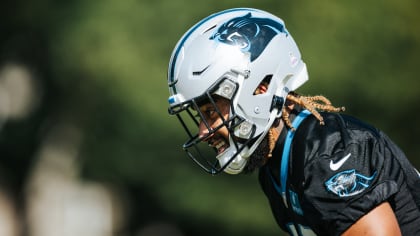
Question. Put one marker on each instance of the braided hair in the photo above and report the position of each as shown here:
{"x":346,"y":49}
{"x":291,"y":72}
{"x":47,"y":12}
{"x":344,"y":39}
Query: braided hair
{"x":313,"y":104}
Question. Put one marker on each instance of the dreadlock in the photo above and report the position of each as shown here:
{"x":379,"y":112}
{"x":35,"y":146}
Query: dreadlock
{"x":312,"y":103}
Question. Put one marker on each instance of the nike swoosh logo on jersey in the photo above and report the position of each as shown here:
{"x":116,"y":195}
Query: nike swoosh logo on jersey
{"x":335,"y":166}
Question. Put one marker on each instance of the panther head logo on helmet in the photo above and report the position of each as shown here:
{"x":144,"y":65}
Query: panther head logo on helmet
{"x":247,"y":31}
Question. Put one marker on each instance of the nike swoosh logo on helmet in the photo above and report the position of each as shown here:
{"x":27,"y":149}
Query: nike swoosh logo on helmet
{"x":197,"y":73}
{"x":335,"y":166}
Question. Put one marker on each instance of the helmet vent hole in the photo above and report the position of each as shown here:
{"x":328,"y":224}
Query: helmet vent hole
{"x":263,"y":85}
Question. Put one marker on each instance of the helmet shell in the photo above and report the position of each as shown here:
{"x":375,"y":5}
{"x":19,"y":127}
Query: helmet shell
{"x":246,"y":45}
{"x":239,"y":39}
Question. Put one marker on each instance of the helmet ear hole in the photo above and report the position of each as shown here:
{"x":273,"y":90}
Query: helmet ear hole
{"x":263,"y":85}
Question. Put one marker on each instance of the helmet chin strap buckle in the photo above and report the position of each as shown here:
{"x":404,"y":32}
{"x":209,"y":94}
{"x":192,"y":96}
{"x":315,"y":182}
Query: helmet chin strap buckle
{"x":277,"y":103}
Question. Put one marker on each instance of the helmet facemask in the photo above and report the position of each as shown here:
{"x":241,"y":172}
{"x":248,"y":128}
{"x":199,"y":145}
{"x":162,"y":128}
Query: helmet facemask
{"x":201,"y":148}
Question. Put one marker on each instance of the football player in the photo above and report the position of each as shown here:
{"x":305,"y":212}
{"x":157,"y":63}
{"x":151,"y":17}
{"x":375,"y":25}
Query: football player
{"x":232,"y":80}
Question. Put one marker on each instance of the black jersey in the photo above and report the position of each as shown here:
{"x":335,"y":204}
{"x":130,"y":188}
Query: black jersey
{"x":337,"y":173}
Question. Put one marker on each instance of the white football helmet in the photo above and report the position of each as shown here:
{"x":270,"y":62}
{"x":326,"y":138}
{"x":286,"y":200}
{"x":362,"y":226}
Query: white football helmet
{"x":229,"y":54}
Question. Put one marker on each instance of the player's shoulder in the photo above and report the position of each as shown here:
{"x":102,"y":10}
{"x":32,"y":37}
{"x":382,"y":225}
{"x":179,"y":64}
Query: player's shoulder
{"x":339,"y":132}
{"x":336,"y":125}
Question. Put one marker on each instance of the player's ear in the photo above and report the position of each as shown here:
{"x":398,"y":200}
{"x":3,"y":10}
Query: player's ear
{"x":263,"y":86}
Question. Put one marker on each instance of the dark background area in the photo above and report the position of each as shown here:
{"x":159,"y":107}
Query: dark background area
{"x":89,"y":79}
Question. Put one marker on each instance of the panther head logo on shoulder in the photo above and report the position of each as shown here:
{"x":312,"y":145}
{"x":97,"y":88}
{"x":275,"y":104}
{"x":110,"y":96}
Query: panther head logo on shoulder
{"x":251,"y":34}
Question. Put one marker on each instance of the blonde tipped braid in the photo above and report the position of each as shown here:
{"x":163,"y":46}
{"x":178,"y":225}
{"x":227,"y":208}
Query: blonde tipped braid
{"x":312,"y":103}
{"x":271,"y":142}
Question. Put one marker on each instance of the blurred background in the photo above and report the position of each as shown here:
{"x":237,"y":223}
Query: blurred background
{"x":87,"y":147}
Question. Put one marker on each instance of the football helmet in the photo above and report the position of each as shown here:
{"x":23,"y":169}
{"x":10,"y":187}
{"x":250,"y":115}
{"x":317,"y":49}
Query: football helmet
{"x":229,"y":54}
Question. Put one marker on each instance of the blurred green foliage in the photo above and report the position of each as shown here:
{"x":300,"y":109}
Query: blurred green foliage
{"x":106,"y":63}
